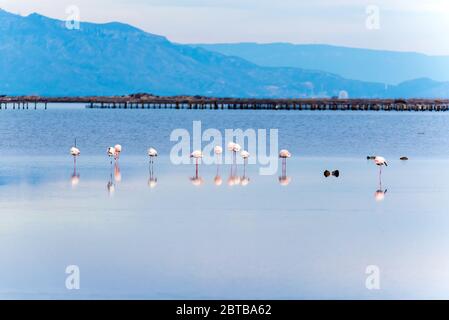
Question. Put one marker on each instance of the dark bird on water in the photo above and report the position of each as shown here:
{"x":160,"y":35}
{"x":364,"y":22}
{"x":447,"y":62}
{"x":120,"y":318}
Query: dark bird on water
{"x":335,"y":173}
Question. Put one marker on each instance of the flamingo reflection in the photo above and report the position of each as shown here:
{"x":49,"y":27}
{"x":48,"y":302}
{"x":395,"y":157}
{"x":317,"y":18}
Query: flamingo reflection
{"x":117,"y":173}
{"x":111,"y":183}
{"x":196,"y":180}
{"x":284,"y":180}
{"x":381,"y":192}
{"x":152,"y":181}
{"x":233,"y":178}
{"x":218,"y":181}
{"x":75,"y":179}
{"x":111,"y":186}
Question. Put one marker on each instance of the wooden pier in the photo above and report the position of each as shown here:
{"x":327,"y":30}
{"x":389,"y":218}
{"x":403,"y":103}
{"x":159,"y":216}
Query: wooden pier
{"x":144,"y":101}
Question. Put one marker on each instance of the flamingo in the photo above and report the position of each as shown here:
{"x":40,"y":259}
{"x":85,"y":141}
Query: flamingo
{"x":118,"y":150}
{"x":284,"y":155}
{"x":197,"y":180}
{"x":234,"y":147}
{"x":75,"y":152}
{"x":380,"y":193}
{"x":111,"y":153}
{"x":197,"y":155}
{"x":231,"y":146}
{"x":152,"y":153}
{"x":218,"y":150}
{"x":152,"y":182}
{"x":380,"y":162}
{"x":245,"y":155}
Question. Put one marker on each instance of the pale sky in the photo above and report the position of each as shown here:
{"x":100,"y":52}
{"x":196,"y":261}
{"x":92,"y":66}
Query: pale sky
{"x":405,"y":25}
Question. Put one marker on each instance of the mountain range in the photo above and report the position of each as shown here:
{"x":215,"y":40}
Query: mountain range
{"x":40,"y":56}
{"x":389,"y":67}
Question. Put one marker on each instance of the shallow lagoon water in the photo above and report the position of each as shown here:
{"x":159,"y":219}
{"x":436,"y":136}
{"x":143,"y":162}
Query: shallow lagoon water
{"x":311,"y":239}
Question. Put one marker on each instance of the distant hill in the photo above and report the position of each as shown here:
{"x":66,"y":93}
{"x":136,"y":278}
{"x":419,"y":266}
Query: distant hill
{"x":359,"y":64}
{"x":38,"y":55}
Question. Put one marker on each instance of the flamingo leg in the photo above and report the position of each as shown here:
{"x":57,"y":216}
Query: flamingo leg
{"x":284,"y":167}
{"x":196,"y":169}
{"x":380,"y":177}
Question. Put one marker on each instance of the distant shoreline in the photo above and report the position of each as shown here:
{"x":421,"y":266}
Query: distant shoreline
{"x":147,"y":101}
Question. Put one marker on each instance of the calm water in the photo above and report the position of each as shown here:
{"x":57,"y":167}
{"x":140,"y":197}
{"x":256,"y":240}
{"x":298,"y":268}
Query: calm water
{"x":313,"y":238}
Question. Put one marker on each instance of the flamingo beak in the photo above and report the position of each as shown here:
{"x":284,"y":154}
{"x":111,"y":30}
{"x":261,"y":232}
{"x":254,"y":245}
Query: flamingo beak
{"x":386,"y":164}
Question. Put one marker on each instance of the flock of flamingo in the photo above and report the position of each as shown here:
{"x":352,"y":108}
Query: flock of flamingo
{"x":114,"y":154}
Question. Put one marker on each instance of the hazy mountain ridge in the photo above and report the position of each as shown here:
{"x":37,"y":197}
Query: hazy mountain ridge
{"x":354,"y":63}
{"x":39,"y":55}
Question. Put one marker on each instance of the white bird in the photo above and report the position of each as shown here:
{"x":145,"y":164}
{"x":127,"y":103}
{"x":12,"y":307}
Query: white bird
{"x":74,"y":151}
{"x":218,"y":150}
{"x":152,"y":153}
{"x":231,"y":146}
{"x":284,"y":154}
{"x":118,"y":150}
{"x":111,"y":153}
{"x":234,"y":147}
{"x":197,"y":154}
{"x":380,"y":161}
